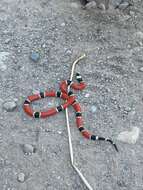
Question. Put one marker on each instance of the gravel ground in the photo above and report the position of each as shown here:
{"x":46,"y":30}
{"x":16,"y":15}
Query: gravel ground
{"x":34,"y":154}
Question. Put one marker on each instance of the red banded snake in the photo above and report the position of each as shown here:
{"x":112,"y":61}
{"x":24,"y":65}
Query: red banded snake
{"x":70,"y":99}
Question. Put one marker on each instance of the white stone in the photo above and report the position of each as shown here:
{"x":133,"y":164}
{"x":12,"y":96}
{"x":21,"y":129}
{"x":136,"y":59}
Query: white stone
{"x":44,"y":45}
{"x":127,"y":109}
{"x":129,"y":136}
{"x":68,"y":52}
{"x":21,"y":177}
{"x":59,"y":132}
{"x":101,"y":6}
{"x":87,"y":95}
{"x":141,"y":69}
{"x":63,"y":24}
{"x":59,"y":177}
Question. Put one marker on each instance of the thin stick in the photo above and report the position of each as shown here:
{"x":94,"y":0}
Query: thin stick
{"x":74,"y":64}
{"x":69,"y":132}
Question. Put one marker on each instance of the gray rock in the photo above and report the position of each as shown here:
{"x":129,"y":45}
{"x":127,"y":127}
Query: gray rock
{"x":28,"y":149}
{"x":121,"y":183}
{"x":91,"y":4}
{"x":93,"y":109}
{"x":127,"y":109}
{"x":21,"y":177}
{"x":123,"y":5}
{"x":141,"y":69}
{"x":59,"y":132}
{"x":16,"y":45}
{"x":9,"y":106}
{"x":114,"y":101}
{"x":35,"y":56}
{"x":116,"y":3}
{"x":44,"y":45}
{"x":7,"y":41}
{"x":101,"y":6}
{"x":63,"y":24}
{"x":68,"y":52}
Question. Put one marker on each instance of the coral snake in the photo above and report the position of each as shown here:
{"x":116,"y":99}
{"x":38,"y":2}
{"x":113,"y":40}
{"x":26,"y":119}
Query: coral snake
{"x":70,"y":100}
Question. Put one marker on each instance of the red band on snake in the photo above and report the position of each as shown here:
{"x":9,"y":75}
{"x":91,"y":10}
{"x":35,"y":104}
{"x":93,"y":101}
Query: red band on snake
{"x":70,"y":100}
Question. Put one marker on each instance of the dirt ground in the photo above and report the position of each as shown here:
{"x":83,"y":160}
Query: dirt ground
{"x":60,"y":31}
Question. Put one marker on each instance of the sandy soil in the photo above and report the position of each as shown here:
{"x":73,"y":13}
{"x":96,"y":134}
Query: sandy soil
{"x":61,"y":31}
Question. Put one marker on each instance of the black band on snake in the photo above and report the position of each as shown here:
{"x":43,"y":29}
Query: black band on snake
{"x":70,"y":100}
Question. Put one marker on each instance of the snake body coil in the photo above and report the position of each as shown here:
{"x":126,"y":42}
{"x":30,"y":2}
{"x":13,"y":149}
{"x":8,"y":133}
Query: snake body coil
{"x":70,"y":99}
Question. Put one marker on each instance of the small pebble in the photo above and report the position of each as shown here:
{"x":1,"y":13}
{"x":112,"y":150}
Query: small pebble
{"x":47,"y":130}
{"x":93,"y":109}
{"x":49,"y":104}
{"x":121,"y":183}
{"x":68,"y":52}
{"x":90,"y":5}
{"x":16,"y":45}
{"x":21,"y":177}
{"x":35,"y":56}
{"x":127,"y":109}
{"x":19,"y":50}
{"x":123,"y":5}
{"x":7,"y":41}
{"x":141,"y":69}
{"x":44,"y":45}
{"x":63,"y":24}
{"x":28,"y":149}
{"x":87,"y":95}
{"x":101,"y":6}
{"x":114,"y":101}
{"x":59,"y":132}
{"x":9,"y":106}
{"x":59,"y":177}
